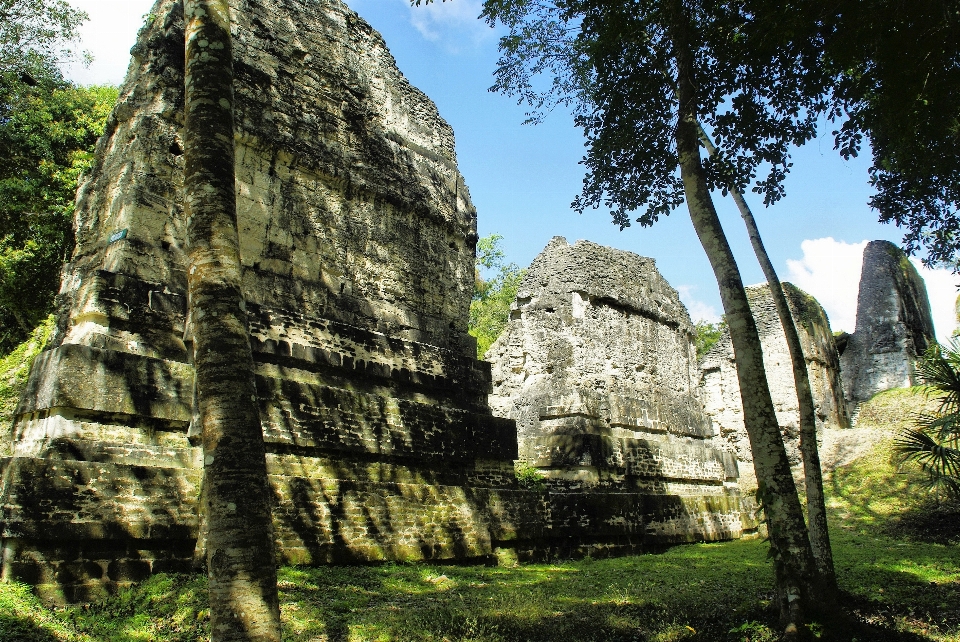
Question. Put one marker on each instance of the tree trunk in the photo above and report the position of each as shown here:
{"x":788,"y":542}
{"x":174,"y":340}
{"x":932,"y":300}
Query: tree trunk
{"x":237,"y":499}
{"x":792,"y":556}
{"x":813,"y":477}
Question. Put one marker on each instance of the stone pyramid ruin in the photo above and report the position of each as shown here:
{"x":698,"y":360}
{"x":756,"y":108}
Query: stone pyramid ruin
{"x":598,"y":367}
{"x":357,"y":240}
{"x":721,"y":387}
{"x":894,"y":325}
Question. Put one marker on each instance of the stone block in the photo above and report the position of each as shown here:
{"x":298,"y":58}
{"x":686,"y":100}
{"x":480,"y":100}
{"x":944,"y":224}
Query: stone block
{"x":721,"y":386}
{"x":894,"y":325}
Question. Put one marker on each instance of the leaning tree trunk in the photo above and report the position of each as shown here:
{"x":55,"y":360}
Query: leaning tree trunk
{"x":793,"y":558}
{"x":240,"y":548}
{"x":813,"y":477}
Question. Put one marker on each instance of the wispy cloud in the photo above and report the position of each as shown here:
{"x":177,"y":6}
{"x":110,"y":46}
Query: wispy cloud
{"x":830,"y":271}
{"x":452,"y":24}
{"x":699,"y":311}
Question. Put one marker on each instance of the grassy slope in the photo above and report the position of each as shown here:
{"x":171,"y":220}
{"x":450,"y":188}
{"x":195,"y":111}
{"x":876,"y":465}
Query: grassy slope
{"x":901,"y":582}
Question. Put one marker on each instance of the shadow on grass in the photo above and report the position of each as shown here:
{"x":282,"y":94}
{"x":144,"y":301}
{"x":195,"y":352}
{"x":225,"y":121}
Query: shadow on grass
{"x":930,"y":523}
{"x":697,"y":593}
{"x":23,"y":629}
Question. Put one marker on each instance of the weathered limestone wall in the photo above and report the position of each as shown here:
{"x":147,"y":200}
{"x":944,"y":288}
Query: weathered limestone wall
{"x":357,"y":241}
{"x":721,"y":388}
{"x":894,"y":325}
{"x":598,"y":368}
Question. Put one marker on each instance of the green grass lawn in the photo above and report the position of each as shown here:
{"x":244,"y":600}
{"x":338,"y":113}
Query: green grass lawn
{"x":897,"y":561}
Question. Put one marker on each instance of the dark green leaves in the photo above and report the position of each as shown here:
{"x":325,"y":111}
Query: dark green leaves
{"x":613,"y":64}
{"x":47,"y":135}
{"x":933,"y":443}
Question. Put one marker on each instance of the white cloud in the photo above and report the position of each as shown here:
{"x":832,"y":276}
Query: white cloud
{"x":452,"y":23}
{"x":942,"y":290}
{"x":699,"y":311}
{"x":108,"y":35}
{"x":830,"y":271}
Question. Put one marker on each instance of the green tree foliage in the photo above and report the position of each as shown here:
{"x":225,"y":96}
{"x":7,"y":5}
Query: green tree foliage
{"x":48,"y":131}
{"x":36,"y":36}
{"x":707,"y":335}
{"x":891,"y":71}
{"x":493,"y":294}
{"x":934,"y":443}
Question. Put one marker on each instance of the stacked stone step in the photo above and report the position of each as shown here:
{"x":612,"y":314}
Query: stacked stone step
{"x":597,"y":366}
{"x":357,"y":240}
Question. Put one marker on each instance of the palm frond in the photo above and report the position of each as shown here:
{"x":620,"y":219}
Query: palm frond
{"x":939,"y":368}
{"x":938,"y":459}
{"x":946,"y":426}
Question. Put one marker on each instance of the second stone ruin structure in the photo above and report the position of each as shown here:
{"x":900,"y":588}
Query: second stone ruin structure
{"x":357,"y":241}
{"x":894,"y":325}
{"x":722,"y":388}
{"x":597,"y":366}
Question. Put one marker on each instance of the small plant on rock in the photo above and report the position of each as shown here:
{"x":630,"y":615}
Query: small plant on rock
{"x":529,"y":476}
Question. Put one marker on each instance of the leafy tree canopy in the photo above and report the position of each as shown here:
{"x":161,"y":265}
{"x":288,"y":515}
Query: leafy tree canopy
{"x":893,"y":71}
{"x":614,"y":66}
{"x":36,"y":36}
{"x":886,"y":72}
{"x":495,"y":288}
{"x":47,"y":135}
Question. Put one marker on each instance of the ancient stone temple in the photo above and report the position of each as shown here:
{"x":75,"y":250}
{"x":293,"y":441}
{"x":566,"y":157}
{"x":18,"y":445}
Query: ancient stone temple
{"x":597,"y":366}
{"x":358,"y":240}
{"x":894,"y":325}
{"x":721,"y":387}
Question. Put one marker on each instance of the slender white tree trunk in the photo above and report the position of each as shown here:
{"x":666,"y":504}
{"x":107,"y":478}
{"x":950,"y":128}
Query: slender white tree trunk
{"x":813,"y":476}
{"x":236,"y":497}
{"x":790,"y":545}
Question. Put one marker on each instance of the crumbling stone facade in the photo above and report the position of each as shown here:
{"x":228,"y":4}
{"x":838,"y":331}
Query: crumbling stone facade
{"x":721,"y":388}
{"x":597,"y":366}
{"x":894,"y":325}
{"x":357,"y":241}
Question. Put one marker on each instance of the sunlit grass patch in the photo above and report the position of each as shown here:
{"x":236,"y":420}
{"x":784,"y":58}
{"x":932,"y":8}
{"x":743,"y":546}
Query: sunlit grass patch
{"x":24,"y":619}
{"x":898,"y":584}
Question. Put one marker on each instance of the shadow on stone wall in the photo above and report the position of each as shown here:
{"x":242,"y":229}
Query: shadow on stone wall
{"x":77,"y":529}
{"x":377,"y":512}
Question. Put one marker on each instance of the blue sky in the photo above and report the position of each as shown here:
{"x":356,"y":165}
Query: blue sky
{"x":522,"y":178}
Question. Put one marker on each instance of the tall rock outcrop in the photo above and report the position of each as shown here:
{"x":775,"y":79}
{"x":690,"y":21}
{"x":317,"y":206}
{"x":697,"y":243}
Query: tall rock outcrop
{"x":357,"y":241}
{"x":721,"y":387}
{"x":598,"y":368}
{"x":894,"y":325}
